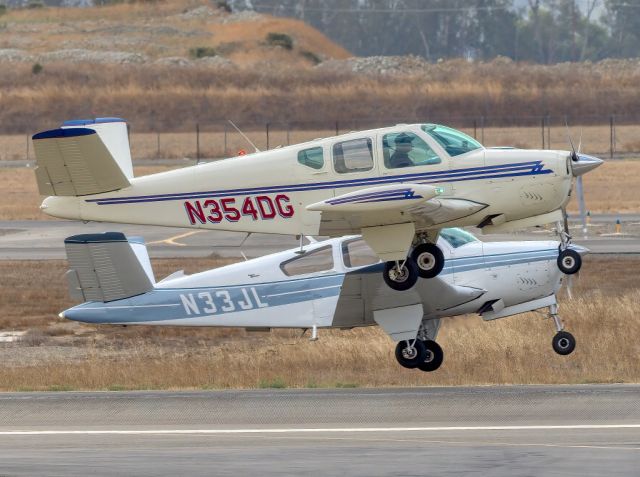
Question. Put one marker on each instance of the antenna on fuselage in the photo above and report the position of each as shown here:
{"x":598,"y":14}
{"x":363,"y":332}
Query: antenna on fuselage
{"x":244,"y":135}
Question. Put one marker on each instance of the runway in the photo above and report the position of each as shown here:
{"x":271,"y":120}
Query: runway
{"x":38,"y":240}
{"x":498,"y":431}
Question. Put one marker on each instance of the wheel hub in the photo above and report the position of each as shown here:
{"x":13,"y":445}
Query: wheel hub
{"x":399,"y":274}
{"x":426,"y":261}
{"x":563,"y":343}
{"x":409,"y":352}
{"x":568,"y":262}
{"x":430,"y":356}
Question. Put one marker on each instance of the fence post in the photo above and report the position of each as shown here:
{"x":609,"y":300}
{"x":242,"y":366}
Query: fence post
{"x":197,"y":142}
{"x":548,"y":132}
{"x":542,"y":128}
{"x":337,"y":129}
{"x":482,"y":129}
{"x":267,"y":131}
{"x":288,"y":130}
{"x":225,"y":141}
{"x":475,"y":128}
{"x":611,"y":137}
{"x":158,"y":146}
{"x":27,"y":147}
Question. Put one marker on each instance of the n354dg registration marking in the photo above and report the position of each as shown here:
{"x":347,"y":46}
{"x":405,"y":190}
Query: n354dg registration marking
{"x":221,"y":301}
{"x":257,"y":207}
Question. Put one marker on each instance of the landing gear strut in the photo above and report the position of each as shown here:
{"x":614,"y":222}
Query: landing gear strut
{"x":563,"y":342}
{"x":411,"y":353}
{"x":569,"y":261}
{"x":400,"y":274}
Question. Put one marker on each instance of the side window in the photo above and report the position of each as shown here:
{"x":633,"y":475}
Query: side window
{"x":356,"y":253}
{"x":353,"y":156}
{"x":406,"y":149}
{"x":313,"y":157}
{"x":315,"y":261}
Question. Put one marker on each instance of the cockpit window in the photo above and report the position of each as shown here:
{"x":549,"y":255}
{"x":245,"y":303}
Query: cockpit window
{"x":311,"y":262}
{"x":453,"y":141}
{"x":457,"y":237}
{"x":405,"y":149}
{"x":312,"y":157}
{"x":356,"y":253}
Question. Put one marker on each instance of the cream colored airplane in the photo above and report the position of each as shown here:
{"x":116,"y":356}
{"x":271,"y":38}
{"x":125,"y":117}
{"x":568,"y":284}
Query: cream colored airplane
{"x":397,"y":186}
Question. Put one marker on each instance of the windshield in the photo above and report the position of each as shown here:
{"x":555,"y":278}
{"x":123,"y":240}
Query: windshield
{"x":453,"y":141}
{"x":457,"y":237}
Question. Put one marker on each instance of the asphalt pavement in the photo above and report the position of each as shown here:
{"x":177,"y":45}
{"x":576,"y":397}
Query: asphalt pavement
{"x":37,"y":240}
{"x":589,"y":430}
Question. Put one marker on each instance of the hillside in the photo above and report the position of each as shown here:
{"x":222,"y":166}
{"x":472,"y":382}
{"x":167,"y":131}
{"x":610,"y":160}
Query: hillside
{"x":169,"y":32}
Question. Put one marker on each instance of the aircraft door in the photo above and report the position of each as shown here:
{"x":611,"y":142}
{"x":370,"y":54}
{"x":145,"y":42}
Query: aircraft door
{"x":352,"y":163}
{"x":313,"y":167}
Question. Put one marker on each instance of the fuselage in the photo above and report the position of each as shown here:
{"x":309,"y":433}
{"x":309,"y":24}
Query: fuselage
{"x":336,"y":283}
{"x":268,"y":192}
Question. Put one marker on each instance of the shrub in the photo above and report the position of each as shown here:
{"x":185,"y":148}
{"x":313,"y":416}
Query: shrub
{"x":33,"y":4}
{"x":3,"y":9}
{"x":223,"y":5}
{"x":311,"y":56}
{"x":280,"y":39}
{"x":202,"y":52}
{"x":36,"y":68}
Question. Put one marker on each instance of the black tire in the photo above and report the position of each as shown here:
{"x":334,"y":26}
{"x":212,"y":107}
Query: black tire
{"x":563,"y":343}
{"x":404,"y":281}
{"x":410,"y":360}
{"x":569,"y":261}
{"x":429,"y":259}
{"x":433,"y":356}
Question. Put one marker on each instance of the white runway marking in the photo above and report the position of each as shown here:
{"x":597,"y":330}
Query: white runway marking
{"x":311,"y":430}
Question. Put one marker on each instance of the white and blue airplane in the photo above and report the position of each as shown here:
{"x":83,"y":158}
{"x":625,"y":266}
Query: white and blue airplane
{"x":330,"y":284}
{"x":396,"y":186}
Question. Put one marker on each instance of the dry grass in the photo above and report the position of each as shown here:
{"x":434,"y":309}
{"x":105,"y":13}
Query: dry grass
{"x":516,"y":350}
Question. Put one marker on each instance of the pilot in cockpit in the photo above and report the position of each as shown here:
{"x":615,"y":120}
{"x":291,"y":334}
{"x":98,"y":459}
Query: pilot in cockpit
{"x":400,"y":156}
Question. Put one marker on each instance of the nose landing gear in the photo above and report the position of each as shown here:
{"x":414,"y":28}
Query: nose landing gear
{"x":569,"y":261}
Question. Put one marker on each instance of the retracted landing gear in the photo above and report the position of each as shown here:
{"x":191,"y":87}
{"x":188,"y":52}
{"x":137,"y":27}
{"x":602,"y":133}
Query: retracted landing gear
{"x":563,"y":342}
{"x":569,"y":261}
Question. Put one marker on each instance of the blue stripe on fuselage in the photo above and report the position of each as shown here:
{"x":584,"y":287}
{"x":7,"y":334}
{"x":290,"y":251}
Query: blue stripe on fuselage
{"x":473,"y":173}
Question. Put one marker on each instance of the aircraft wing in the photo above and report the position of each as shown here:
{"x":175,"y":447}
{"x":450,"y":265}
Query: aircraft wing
{"x":390,"y":204}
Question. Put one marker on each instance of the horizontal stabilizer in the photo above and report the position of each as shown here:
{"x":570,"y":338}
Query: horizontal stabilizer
{"x":106,"y":267}
{"x":74,"y":162}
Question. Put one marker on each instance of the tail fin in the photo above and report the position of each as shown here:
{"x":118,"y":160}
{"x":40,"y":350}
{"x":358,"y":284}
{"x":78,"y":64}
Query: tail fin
{"x":106,"y":267}
{"x":83,"y":157}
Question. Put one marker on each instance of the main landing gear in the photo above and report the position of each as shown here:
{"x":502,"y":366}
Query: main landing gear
{"x":426,"y":260}
{"x":569,"y":261}
{"x":563,"y":342}
{"x":422,"y":353}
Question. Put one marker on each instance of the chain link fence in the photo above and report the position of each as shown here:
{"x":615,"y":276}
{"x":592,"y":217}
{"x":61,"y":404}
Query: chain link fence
{"x":609,"y":137}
